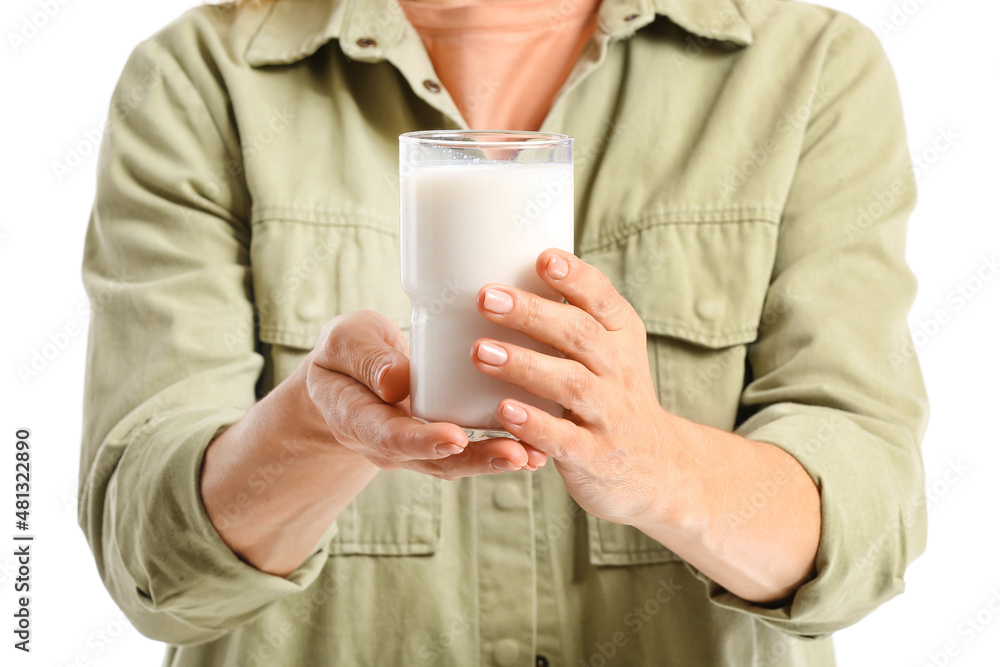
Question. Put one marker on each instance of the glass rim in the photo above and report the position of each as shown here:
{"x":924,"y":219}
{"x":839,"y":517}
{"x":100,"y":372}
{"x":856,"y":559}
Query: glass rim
{"x":529,"y":140}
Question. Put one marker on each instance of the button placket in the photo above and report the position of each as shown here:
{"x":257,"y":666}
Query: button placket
{"x":506,"y":652}
{"x":508,"y":496}
{"x":410,"y":58}
{"x":506,"y":566}
{"x":554,"y":532}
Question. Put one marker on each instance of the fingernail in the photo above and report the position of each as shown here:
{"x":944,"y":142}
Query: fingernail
{"x":514,"y":413}
{"x":557,"y":267}
{"x":491,"y":354}
{"x":497,"y":302}
{"x":503,"y":465}
{"x":381,"y":374}
{"x":448,"y":449}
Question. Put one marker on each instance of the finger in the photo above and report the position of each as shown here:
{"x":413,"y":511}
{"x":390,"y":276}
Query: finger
{"x":536,"y":457}
{"x":510,"y":450}
{"x":585,"y":287}
{"x":484,"y":457}
{"x":564,"y":327}
{"x":360,"y":420}
{"x":565,"y":381}
{"x":368,"y":347}
{"x":559,"y":438}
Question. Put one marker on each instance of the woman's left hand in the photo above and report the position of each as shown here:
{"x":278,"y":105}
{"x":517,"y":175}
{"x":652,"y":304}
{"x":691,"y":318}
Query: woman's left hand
{"x":610,"y":445}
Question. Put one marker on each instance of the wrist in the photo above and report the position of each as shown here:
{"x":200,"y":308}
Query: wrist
{"x":677,"y":511}
{"x":275,"y":480}
{"x":299,"y":411}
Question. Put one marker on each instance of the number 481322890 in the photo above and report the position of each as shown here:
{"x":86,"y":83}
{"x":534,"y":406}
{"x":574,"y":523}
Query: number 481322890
{"x":22,"y":479}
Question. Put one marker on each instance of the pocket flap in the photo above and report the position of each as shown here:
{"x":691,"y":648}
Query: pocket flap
{"x":617,"y":544}
{"x":305,"y":273}
{"x":397,"y":514}
{"x":704,"y":282}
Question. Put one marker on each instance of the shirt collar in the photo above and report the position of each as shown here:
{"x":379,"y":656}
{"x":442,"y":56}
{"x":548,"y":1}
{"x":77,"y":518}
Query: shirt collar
{"x":369,"y":29}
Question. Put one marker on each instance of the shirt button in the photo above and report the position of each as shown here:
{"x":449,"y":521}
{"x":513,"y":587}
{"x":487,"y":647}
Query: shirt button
{"x":366,"y":43}
{"x":432,"y":85}
{"x":308,"y":310}
{"x":507,"y":496}
{"x":541,"y":661}
{"x":506,"y":652}
{"x":708,"y":308}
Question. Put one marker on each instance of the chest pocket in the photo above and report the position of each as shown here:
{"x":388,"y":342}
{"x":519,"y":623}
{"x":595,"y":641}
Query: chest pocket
{"x":308,"y":267}
{"x":699,"y":283}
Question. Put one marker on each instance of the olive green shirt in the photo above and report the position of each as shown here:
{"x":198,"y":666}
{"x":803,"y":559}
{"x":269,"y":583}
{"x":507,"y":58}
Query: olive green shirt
{"x":742,"y":176}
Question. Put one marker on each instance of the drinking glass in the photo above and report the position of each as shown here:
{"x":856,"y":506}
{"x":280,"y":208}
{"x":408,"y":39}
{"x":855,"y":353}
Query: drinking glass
{"x":476,"y":207}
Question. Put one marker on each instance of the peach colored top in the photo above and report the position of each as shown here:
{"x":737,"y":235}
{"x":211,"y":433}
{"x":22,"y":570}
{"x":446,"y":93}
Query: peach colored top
{"x":504,"y":61}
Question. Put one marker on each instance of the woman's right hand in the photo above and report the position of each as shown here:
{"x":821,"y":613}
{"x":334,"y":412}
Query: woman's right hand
{"x":358,"y":378}
{"x":273,"y":482}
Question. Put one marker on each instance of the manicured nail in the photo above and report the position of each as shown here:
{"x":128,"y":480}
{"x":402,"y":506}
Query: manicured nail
{"x":514,"y":413}
{"x":448,"y":449}
{"x":497,"y":302}
{"x":491,"y":354}
{"x":557,"y":267}
{"x":503,"y":465}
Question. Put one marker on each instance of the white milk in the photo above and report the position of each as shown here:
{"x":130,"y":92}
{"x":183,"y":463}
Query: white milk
{"x":463,"y":226}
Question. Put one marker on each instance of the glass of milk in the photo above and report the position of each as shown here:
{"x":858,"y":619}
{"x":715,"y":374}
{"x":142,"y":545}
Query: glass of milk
{"x":476,"y":207}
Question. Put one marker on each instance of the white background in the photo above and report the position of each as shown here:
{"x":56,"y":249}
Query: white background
{"x":55,"y":91}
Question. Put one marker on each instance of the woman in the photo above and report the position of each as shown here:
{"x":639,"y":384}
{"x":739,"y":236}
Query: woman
{"x":737,"y":472}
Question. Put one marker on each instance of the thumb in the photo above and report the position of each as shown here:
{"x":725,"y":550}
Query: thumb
{"x":366,"y":346}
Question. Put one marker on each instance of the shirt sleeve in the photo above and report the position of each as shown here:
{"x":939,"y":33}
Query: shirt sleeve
{"x":834,"y":381}
{"x":171,"y":355}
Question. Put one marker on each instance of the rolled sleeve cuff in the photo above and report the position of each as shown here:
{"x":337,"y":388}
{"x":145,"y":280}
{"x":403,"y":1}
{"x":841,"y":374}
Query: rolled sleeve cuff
{"x":176,"y":562}
{"x":873,"y":516}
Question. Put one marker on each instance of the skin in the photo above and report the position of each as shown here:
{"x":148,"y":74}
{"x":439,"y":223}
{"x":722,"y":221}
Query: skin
{"x":622,"y":456}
